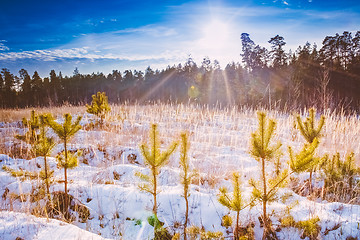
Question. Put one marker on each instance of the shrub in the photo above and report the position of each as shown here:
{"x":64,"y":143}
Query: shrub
{"x":340,"y":184}
{"x":310,"y":228}
{"x":99,"y":106}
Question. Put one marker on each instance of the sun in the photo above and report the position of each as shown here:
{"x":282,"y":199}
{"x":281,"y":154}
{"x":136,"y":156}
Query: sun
{"x":215,"y":35}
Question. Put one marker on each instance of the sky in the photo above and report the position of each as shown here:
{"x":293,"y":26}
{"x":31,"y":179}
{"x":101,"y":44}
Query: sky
{"x":101,"y":36}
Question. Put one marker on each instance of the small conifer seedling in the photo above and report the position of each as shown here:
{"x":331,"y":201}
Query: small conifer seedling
{"x":263,"y":151}
{"x":234,"y":202}
{"x":65,"y":131}
{"x":32,"y":126}
{"x":185,"y":176}
{"x":266,"y":189}
{"x":311,"y":132}
{"x":340,"y":177}
{"x":99,"y":106}
{"x":43,"y":148}
{"x":154,"y":159}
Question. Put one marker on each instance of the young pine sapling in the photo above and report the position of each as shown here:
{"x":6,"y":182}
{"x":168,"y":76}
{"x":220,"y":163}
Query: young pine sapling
{"x":266,"y":189}
{"x":185,"y":176}
{"x":99,"y":106}
{"x":43,"y":148}
{"x":66,"y":159}
{"x":311,"y":132}
{"x":340,"y":177}
{"x":234,"y":202}
{"x":32,"y":125}
{"x":263,"y":152}
{"x":154,"y":159}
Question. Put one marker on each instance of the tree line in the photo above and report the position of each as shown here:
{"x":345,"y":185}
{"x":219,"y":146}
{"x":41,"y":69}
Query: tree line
{"x":325,"y":78}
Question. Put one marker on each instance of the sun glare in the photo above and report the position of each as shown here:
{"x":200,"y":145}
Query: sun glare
{"x":215,"y":35}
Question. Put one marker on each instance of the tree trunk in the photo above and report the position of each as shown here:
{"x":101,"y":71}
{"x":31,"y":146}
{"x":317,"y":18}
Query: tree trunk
{"x":186,"y":215}
{"x":65,"y":182}
{"x":47,"y":179}
{"x":264,"y":200}
{"x":236,"y":233}
{"x":155,"y":191}
{"x":310,"y":181}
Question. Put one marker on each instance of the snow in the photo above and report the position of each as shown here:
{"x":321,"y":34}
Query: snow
{"x":106,"y":184}
{"x":20,"y":225}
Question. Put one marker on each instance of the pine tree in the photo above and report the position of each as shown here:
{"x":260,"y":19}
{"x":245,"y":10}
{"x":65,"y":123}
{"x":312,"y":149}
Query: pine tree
{"x":43,"y":148}
{"x":305,"y":158}
{"x":25,"y":88}
{"x":263,"y":152}
{"x":65,"y":131}
{"x":266,"y":189}
{"x":234,"y":203}
{"x":9,"y":94}
{"x":154,"y":159}
{"x":37,"y":89}
{"x":185,"y":176}
{"x":99,"y":106}
{"x":340,"y":175}
{"x":2,"y":91}
{"x":310,"y":132}
{"x":32,"y":125}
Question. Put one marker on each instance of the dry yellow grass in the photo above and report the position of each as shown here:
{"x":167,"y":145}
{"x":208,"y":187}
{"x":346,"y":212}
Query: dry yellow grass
{"x":211,"y":129}
{"x":11,"y":115}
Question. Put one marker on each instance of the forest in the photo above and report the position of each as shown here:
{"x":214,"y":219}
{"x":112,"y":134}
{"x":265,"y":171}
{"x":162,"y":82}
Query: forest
{"x":326,"y":78}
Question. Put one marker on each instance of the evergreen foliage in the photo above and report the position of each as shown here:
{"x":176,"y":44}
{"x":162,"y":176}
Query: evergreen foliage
{"x":301,"y":161}
{"x":234,"y":202}
{"x":185,"y":175}
{"x":43,"y":148}
{"x":32,"y":125}
{"x":198,"y":233}
{"x":154,"y":160}
{"x":160,"y":233}
{"x":311,"y":133}
{"x":289,"y":78}
{"x":310,"y":228}
{"x":226,"y":221}
{"x":340,"y":175}
{"x":71,"y":161}
{"x":99,"y":106}
{"x":308,"y":129}
{"x":263,"y":151}
{"x":65,"y":131}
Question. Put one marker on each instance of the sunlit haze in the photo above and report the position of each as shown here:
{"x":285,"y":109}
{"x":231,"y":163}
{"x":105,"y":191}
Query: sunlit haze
{"x":94,"y":37}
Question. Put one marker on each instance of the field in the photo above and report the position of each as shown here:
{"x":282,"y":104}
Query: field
{"x":106,"y":184}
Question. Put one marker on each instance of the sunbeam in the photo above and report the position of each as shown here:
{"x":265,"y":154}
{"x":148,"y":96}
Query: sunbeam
{"x":154,"y":88}
{"x":227,"y":88}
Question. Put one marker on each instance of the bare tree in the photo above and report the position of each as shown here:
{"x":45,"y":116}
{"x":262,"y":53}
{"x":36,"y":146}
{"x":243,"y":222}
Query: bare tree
{"x":324,"y":93}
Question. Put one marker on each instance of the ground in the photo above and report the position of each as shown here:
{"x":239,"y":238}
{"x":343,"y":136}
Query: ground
{"x":106,"y":184}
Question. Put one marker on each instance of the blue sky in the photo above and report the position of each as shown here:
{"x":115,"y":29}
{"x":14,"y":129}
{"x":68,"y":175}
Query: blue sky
{"x":99,"y":36}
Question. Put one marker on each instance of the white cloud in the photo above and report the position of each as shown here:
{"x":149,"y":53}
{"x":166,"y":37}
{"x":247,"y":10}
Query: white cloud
{"x":3,"y":47}
{"x":152,"y":30}
{"x":81,"y":53}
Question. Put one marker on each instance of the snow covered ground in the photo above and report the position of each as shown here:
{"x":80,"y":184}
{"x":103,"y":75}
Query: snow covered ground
{"x":23,"y":226}
{"x":106,"y":184}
